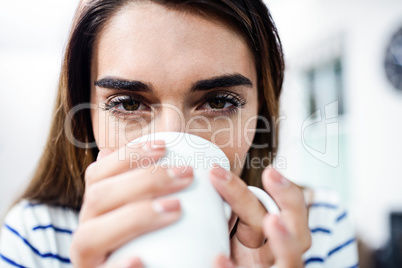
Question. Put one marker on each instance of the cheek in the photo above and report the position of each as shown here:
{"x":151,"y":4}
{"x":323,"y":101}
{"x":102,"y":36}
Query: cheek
{"x":237,"y":154}
{"x":113,"y":134}
{"x":99,"y":126}
{"x":234,"y":137}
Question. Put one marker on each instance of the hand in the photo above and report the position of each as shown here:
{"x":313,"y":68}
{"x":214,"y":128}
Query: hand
{"x":116,"y":193}
{"x":288,"y":233}
{"x":133,"y":262}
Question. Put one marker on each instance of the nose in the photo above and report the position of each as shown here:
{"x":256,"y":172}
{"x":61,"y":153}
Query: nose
{"x":170,"y":118}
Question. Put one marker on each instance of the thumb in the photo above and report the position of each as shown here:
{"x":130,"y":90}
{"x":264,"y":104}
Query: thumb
{"x":133,"y":262}
{"x":103,"y":153}
{"x":223,"y":262}
{"x":284,"y":246}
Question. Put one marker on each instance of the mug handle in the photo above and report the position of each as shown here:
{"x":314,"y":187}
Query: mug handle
{"x":265,"y":199}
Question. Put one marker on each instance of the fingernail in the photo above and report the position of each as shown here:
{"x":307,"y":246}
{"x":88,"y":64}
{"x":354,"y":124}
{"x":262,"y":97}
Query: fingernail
{"x":180,"y":172}
{"x":220,"y":173}
{"x":154,"y":145}
{"x":279,"y":179}
{"x":280,"y":224}
{"x":167,"y":205}
{"x":134,"y":262}
{"x":229,"y":264}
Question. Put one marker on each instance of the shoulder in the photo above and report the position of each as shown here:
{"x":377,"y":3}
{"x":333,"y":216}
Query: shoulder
{"x":333,"y":237}
{"x":323,"y":205}
{"x":37,"y":235}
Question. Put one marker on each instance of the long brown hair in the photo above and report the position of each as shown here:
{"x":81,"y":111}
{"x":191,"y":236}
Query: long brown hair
{"x":59,"y":177}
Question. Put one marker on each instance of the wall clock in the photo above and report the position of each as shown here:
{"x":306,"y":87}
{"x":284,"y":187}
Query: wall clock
{"x":393,"y":60}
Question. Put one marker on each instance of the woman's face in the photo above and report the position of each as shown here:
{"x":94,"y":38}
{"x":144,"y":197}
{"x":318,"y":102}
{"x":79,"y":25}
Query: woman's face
{"x":155,"y":69}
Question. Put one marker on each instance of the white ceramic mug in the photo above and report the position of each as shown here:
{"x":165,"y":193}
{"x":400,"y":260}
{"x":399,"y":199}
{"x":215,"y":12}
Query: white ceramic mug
{"x":201,"y":234}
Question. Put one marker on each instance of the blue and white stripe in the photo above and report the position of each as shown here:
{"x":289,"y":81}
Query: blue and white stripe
{"x":333,"y":238}
{"x":36,"y":235}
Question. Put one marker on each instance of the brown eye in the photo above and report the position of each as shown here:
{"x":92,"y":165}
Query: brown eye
{"x":217,"y":103}
{"x":131,"y":105}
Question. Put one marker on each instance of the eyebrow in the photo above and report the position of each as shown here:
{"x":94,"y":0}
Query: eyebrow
{"x":202,"y":85}
{"x":222,"y":81}
{"x":117,"y":83}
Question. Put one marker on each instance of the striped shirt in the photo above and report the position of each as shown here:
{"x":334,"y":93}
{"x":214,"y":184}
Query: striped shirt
{"x":38,"y":235}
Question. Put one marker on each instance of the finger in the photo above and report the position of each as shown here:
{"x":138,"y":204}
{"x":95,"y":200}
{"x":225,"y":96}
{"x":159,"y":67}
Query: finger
{"x":290,"y":200}
{"x":138,"y":184}
{"x":223,"y":262}
{"x":96,"y":238}
{"x":243,"y":203}
{"x":124,"y":159}
{"x":103,"y":153}
{"x":284,"y":246}
{"x":286,"y":194}
{"x":133,"y":262}
{"x":232,"y":221}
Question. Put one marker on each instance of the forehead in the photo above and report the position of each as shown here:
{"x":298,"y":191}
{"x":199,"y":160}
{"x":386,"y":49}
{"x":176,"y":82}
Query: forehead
{"x":152,"y":42}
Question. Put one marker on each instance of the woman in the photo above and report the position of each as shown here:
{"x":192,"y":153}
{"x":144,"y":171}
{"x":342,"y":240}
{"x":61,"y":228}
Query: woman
{"x":210,"y":68}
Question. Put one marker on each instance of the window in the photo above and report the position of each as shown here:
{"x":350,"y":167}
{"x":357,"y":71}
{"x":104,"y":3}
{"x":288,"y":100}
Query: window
{"x":325,"y":85}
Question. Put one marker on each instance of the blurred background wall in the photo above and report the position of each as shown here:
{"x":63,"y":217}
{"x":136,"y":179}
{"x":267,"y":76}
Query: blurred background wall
{"x":335,"y":54}
{"x":32,"y":39}
{"x":341,"y":119}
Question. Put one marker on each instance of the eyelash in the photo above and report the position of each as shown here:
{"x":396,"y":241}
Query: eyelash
{"x":231,"y":97}
{"x":111,"y":104}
